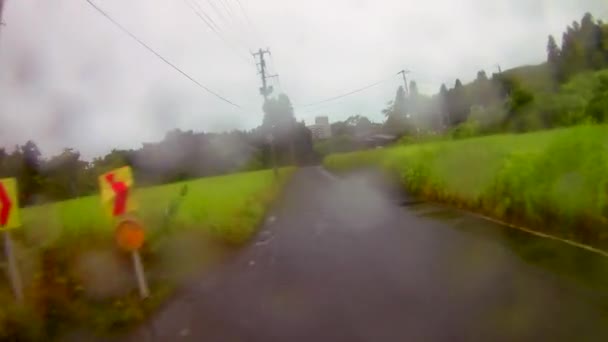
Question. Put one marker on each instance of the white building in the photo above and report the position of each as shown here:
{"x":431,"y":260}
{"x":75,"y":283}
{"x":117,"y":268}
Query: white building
{"x":321,"y":129}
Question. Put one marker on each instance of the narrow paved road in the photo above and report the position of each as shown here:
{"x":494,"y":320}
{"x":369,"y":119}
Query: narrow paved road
{"x":344,"y":260}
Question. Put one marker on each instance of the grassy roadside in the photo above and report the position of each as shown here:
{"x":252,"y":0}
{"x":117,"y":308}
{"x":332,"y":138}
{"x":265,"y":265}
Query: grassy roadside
{"x":76,"y":279}
{"x":552,"y":181}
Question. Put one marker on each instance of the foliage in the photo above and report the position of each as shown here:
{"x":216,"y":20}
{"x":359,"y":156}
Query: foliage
{"x":597,"y":108}
{"x":582,"y":48}
{"x":556,"y":93}
{"x":355,"y":126}
{"x":336,"y":144}
{"x":459,"y":104}
{"x":467,"y":129}
{"x":180,"y":156}
{"x":209,"y":202}
{"x":278,"y":112}
{"x":396,"y":113}
{"x":554,"y":181}
{"x":348,"y":135}
{"x":569,"y":105}
{"x":292,"y":140}
{"x":211,"y":214}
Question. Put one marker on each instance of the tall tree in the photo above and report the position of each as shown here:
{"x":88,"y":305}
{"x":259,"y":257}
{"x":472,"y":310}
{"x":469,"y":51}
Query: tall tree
{"x":400,"y":104}
{"x":414,"y":99}
{"x":444,"y":107}
{"x":604,"y":39}
{"x":65,"y":176}
{"x":591,"y":35}
{"x":361,"y":125}
{"x":553,"y":52}
{"x":554,"y":60}
{"x":396,"y":114}
{"x":481,"y":76}
{"x":3,"y":156}
{"x":597,"y":108}
{"x":29,"y":178}
{"x":458,"y":103}
{"x":414,"y":88}
{"x":290,"y":139}
{"x":481,"y":90}
{"x":278,"y":113}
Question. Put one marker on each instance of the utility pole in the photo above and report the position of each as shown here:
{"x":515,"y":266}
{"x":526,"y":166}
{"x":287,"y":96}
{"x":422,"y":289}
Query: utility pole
{"x":265,"y":90}
{"x":403,"y":72}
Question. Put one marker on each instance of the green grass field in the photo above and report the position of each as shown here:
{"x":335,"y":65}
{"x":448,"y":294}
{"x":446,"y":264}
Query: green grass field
{"x":76,"y":278}
{"x":554,"y":181}
{"x":210,"y":203}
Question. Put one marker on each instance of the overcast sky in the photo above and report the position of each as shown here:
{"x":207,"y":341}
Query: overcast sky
{"x":69,"y":78}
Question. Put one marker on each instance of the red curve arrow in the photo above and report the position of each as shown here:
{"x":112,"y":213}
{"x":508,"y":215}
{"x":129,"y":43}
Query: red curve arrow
{"x":121,"y":191}
{"x":5,"y":206}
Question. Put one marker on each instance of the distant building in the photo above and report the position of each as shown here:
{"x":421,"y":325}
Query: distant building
{"x":321,"y":129}
{"x":322,"y":120}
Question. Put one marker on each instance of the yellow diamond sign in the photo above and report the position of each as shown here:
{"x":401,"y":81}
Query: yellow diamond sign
{"x":116,"y":187}
{"x":9,"y":204}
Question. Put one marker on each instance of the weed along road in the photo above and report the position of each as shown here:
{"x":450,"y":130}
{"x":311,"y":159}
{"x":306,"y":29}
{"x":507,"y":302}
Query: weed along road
{"x":342,"y":259}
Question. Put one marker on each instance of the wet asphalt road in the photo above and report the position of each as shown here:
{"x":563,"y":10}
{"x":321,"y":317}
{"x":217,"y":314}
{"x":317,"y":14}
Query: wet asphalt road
{"x":344,"y":260}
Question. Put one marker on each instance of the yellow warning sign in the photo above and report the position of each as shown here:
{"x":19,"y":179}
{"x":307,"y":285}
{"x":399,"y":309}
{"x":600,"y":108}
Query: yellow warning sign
{"x":116,"y":187}
{"x":9,"y":204}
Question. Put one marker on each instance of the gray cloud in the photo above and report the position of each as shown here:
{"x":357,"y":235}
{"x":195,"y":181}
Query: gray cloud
{"x":70,"y":78}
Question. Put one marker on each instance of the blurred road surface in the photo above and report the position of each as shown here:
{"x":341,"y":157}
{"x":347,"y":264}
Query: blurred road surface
{"x":347,"y":260}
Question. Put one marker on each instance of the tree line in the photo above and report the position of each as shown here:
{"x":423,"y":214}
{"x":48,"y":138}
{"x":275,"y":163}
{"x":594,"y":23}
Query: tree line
{"x":521,"y":99}
{"x":181,"y":155}
{"x":562,"y":91}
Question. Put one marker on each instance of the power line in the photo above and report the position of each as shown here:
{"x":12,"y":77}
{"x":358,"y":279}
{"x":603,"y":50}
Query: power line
{"x":225,"y":19}
{"x":249,"y":21}
{"x":218,"y":12}
{"x":323,"y":107}
{"x":236,"y":20}
{"x":200,"y":12}
{"x":123,"y":29}
{"x":345,"y":94}
{"x":228,"y":9}
{"x":207,"y":20}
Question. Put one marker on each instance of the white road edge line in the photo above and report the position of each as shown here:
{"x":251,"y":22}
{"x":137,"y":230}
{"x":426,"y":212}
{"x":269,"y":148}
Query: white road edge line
{"x":327,"y":173}
{"x":526,"y":230}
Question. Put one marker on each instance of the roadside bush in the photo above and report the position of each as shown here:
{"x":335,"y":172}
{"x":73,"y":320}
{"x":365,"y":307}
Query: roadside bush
{"x":597,"y":108}
{"x":490,"y":118}
{"x":76,"y":278}
{"x":467,"y":129}
{"x":556,"y":181}
{"x":337,"y":144}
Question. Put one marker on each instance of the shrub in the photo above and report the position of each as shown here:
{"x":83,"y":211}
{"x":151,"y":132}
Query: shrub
{"x":555,"y":181}
{"x":467,"y":129}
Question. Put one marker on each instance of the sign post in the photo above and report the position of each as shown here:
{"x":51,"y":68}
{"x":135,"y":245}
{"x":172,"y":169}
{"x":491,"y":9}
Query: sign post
{"x":144,"y":291}
{"x":116,"y":198}
{"x":130,"y":237}
{"x":9,"y":218}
